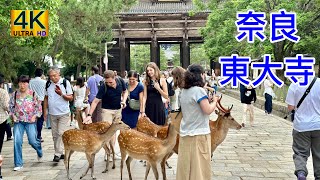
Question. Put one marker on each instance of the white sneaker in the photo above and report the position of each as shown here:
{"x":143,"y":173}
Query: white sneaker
{"x":19,"y":168}
{"x":39,"y":159}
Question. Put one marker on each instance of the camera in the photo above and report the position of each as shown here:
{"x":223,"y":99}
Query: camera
{"x":152,"y":83}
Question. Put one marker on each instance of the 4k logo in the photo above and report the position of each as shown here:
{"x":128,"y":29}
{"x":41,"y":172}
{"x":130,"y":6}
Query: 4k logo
{"x":29,"y":23}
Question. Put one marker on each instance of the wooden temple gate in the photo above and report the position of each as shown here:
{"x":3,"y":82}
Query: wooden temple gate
{"x":155,"y":23}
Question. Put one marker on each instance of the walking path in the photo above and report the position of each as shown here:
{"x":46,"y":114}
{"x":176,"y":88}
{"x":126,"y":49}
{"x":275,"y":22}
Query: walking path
{"x":252,"y":153}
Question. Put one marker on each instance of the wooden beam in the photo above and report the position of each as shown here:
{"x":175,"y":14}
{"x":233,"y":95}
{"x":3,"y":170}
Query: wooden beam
{"x":162,"y":21}
{"x":156,"y":29}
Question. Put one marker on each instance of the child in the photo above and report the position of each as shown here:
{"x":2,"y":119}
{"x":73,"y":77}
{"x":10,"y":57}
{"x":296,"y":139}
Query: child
{"x":249,"y":96}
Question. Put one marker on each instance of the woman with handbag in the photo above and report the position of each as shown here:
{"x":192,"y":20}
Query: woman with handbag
{"x":131,"y":113}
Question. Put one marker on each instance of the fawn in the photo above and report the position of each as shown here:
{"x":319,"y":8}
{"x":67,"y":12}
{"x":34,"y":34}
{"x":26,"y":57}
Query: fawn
{"x":88,"y":142}
{"x":138,"y":145}
{"x":100,"y":128}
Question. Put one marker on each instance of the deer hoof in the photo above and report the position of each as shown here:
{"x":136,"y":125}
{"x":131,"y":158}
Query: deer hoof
{"x":94,"y":178}
{"x":113,"y":167}
{"x":106,"y":170}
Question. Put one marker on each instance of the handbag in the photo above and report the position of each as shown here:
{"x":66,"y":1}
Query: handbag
{"x":303,"y":97}
{"x":133,"y":103}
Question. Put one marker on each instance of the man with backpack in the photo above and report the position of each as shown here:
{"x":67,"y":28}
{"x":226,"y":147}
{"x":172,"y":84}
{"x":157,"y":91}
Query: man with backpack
{"x":58,"y":93}
{"x":93,"y":88}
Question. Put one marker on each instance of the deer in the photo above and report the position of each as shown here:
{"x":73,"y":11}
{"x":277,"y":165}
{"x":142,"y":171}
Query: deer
{"x":138,"y":145}
{"x":88,"y":142}
{"x":146,"y":126}
{"x":218,"y":128}
{"x":100,"y":128}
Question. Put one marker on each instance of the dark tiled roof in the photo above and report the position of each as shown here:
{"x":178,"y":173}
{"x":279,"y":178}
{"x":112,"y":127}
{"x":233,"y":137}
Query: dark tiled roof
{"x":161,"y":7}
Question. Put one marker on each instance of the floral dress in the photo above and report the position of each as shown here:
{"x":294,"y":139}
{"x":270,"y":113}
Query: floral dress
{"x":24,"y":109}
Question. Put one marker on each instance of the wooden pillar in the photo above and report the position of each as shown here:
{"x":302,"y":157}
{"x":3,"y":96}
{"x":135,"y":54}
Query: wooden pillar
{"x":155,"y":52}
{"x":185,"y":53}
{"x":127,"y":66}
{"x":185,"y":45}
{"x":123,"y":53}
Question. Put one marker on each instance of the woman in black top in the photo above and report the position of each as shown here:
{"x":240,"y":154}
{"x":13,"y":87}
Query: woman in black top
{"x":155,"y":87}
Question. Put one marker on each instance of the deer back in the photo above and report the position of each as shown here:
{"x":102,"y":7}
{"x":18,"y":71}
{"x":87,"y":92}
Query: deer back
{"x":80,"y":140}
{"x":146,"y":126}
{"x":99,"y":127}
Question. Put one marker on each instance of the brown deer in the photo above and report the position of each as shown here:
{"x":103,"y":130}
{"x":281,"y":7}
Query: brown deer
{"x":100,"y":128}
{"x":138,"y":145}
{"x":88,"y":142}
{"x":219,"y":128}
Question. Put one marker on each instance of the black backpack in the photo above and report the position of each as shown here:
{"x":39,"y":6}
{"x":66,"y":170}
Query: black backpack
{"x":64,"y":83}
{"x":170,"y":88}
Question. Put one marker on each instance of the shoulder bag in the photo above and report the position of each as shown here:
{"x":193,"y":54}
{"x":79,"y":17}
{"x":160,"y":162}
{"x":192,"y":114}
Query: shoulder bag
{"x":133,"y":103}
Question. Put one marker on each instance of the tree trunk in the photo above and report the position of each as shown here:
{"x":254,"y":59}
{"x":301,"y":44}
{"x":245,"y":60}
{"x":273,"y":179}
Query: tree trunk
{"x":78,"y":70}
{"x":278,"y":51}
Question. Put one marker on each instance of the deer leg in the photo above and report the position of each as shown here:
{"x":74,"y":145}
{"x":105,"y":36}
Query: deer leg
{"x":113,"y":156}
{"x":147,"y":171}
{"x":107,"y":153}
{"x":123,"y":156}
{"x":155,"y":170}
{"x":163,"y":166}
{"x":106,"y":149}
{"x":66,"y":161}
{"x":128,"y":161}
{"x":89,"y":160}
{"x":92,"y":166}
{"x":169,"y":155}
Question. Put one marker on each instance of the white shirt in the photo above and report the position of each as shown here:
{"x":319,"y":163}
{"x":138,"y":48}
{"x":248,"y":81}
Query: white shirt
{"x":38,"y":85}
{"x":194,"y":121}
{"x":56,"y":104}
{"x":268,"y":88}
{"x":307,"y":116}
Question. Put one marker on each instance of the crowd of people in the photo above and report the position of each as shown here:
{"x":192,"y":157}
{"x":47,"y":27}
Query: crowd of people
{"x":107,"y":97}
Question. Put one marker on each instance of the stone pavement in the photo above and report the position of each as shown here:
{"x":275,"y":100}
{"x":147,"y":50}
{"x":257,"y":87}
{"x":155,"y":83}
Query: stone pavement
{"x":252,"y":153}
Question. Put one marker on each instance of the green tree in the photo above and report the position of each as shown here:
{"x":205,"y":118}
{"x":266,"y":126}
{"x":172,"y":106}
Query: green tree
{"x":220,"y":31}
{"x":14,"y":52}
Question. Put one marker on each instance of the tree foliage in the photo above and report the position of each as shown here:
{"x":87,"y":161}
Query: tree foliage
{"x":220,"y":31}
{"x":77,"y":29}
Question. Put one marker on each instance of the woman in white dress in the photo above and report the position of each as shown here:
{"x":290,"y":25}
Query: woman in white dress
{"x":80,"y":95}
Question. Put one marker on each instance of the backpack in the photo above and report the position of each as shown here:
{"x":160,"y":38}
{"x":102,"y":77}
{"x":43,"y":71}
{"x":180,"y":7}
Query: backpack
{"x":102,"y":83}
{"x":170,"y":88}
{"x":15,"y":98}
{"x":64,"y":83}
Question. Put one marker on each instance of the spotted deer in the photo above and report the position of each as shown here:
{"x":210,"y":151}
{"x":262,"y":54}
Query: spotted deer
{"x":218,"y":128}
{"x":138,"y":145}
{"x":100,"y":128}
{"x":88,"y":142}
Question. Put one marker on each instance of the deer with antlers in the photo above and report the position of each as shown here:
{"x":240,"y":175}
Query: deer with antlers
{"x":100,"y":128}
{"x":88,"y":142}
{"x":138,"y":145}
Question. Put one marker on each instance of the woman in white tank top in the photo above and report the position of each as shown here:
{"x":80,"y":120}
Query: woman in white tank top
{"x":80,"y":95}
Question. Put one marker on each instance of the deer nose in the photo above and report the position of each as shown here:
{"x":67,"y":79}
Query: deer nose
{"x":239,"y":127}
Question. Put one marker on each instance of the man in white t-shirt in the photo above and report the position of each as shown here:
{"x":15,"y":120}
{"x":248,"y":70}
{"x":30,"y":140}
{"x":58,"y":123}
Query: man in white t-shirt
{"x":306,"y":127}
{"x":57,"y":97}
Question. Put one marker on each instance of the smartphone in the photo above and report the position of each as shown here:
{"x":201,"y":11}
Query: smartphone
{"x":57,"y":87}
